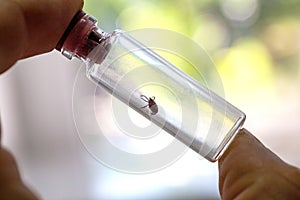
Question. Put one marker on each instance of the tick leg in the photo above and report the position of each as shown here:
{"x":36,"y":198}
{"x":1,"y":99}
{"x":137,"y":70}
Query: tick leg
{"x":144,"y":106}
{"x":144,"y":98}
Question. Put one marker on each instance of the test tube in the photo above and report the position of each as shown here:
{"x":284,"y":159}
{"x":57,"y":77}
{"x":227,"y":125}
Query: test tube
{"x":153,"y":87}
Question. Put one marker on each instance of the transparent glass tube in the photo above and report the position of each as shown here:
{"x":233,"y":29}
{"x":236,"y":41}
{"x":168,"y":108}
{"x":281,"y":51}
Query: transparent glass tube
{"x":154,"y":88}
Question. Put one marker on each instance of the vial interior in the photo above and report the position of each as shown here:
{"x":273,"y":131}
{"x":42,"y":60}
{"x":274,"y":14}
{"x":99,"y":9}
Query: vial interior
{"x":163,"y":94}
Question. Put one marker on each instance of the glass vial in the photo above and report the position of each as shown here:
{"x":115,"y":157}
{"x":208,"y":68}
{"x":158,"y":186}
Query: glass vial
{"x":153,"y":87}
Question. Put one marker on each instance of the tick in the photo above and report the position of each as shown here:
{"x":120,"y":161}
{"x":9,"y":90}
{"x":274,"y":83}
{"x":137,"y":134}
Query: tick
{"x":151,"y":104}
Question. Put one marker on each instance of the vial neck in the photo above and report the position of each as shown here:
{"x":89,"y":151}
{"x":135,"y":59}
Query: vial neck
{"x":81,"y":37}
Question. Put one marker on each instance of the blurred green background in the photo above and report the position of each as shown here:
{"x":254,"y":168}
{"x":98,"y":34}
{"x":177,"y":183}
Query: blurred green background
{"x":255,"y":45}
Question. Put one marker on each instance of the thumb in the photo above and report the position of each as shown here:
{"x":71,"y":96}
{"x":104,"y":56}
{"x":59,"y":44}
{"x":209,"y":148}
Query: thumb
{"x":249,"y":170}
{"x":11,"y":186}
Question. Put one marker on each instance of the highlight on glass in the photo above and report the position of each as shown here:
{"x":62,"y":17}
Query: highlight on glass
{"x":156,"y":89}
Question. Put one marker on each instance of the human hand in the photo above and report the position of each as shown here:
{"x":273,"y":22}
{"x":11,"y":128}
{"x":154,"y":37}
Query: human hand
{"x":27,"y":28}
{"x":30,"y":27}
{"x":248,"y":170}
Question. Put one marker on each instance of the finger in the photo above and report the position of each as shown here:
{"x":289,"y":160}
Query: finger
{"x":245,"y":147}
{"x":46,"y":22}
{"x":32,"y":27}
{"x":248,"y":160}
{"x":0,"y":131}
{"x":244,"y":156}
{"x":12,"y":186}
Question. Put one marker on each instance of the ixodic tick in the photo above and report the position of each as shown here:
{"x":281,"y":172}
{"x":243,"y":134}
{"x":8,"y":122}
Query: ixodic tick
{"x":151,"y":104}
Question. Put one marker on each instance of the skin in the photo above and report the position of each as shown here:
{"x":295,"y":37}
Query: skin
{"x":247,"y":170}
{"x":31,"y":27}
{"x":28,"y":27}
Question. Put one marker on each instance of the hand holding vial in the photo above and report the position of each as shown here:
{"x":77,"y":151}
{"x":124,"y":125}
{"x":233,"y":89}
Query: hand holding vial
{"x":21,"y":36}
{"x":247,"y":169}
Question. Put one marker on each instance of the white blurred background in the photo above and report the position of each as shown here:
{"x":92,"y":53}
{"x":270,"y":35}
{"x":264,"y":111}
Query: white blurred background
{"x":38,"y":127}
{"x":256,"y":48}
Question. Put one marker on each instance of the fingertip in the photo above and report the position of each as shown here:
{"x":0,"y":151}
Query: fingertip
{"x":244,"y":153}
{"x":243,"y":143}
